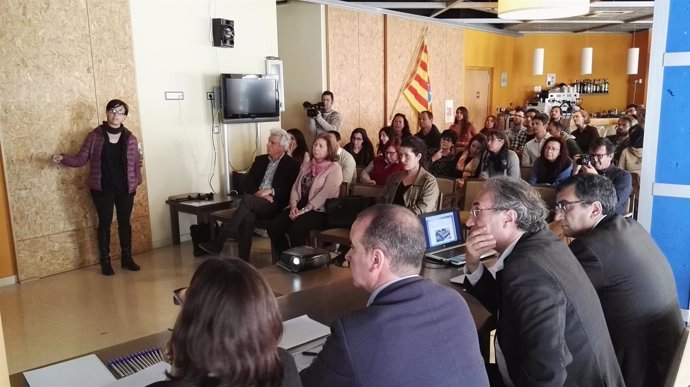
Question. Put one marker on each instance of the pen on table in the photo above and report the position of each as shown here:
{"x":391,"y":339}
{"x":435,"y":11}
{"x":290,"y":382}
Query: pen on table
{"x":143,"y":358}
{"x":135,"y":359}
{"x":123,"y":364}
{"x":117,"y":370}
{"x":149,"y":355}
{"x":310,"y":353}
{"x":133,"y":363}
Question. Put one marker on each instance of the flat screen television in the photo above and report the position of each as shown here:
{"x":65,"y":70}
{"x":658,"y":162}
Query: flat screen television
{"x":249,"y":98}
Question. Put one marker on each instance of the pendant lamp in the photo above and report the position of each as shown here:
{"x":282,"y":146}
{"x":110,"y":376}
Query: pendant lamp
{"x":541,"y":9}
{"x":538,"y":62}
{"x":586,"y":64}
{"x":633,"y":60}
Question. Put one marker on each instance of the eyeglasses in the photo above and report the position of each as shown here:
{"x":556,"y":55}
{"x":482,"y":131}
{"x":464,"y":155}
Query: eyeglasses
{"x":117,"y":112}
{"x":565,"y":206}
{"x":475,"y":211}
{"x":446,"y":139}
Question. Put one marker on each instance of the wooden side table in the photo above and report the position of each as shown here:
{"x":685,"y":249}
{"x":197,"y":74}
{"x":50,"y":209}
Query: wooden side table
{"x":200,"y":208}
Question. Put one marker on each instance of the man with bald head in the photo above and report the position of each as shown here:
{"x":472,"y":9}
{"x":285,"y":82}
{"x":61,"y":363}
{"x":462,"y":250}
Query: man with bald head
{"x":413,"y":332}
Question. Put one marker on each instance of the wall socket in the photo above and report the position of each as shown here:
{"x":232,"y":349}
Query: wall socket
{"x":216,"y":129}
{"x":209,"y":95}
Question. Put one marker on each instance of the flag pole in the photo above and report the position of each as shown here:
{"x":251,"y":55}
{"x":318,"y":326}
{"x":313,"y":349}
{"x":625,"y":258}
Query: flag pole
{"x":411,"y":67}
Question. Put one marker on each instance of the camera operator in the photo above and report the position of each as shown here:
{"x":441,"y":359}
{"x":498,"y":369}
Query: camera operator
{"x":326,"y":118}
{"x":599,"y":162}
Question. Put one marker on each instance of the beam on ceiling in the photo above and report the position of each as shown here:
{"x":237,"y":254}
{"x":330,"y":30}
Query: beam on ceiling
{"x":622,"y":4}
{"x":629,"y":21}
{"x":402,"y":4}
{"x":486,"y":21}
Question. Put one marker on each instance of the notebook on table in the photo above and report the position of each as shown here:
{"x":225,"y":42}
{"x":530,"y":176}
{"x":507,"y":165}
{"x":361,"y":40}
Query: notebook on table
{"x":443,"y":235}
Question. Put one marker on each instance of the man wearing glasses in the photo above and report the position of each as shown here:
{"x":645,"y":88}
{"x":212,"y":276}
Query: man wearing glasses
{"x":601,"y":163}
{"x":549,"y":332}
{"x":630,"y":274}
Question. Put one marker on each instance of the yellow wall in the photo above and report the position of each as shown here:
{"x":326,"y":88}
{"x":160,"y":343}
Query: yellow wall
{"x":562,"y":57}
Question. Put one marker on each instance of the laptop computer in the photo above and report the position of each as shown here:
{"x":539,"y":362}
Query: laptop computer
{"x":443,"y":235}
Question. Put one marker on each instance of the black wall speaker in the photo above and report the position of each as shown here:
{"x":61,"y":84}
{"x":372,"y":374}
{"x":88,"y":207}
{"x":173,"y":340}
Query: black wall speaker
{"x":223,"y":33}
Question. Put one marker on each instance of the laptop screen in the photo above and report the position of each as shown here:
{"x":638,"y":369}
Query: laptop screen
{"x":441,"y":229}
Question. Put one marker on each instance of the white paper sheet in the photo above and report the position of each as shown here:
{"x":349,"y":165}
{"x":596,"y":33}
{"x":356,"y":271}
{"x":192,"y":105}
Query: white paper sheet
{"x":458,"y":280}
{"x":86,"y":371}
{"x":148,"y":375}
{"x":301,"y":330}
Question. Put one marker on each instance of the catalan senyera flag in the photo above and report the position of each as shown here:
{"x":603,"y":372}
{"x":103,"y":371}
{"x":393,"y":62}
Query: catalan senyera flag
{"x":418,"y":90}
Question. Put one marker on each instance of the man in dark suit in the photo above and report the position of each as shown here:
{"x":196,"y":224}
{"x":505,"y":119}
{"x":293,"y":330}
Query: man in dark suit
{"x":551,"y":329}
{"x":266,"y":187}
{"x":631,"y":275}
{"x":413,"y":332}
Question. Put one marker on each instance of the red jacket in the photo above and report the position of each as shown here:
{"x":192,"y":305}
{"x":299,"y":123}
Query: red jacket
{"x":91,"y":151}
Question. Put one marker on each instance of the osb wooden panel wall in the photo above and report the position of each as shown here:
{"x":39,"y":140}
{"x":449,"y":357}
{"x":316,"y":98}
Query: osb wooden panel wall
{"x":60,"y":62}
{"x":356,"y":69}
{"x":445,"y":46}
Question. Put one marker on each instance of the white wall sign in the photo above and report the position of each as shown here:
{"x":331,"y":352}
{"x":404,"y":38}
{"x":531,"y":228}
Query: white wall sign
{"x":504,"y":79}
{"x":449,"y":115}
{"x":550,"y":80}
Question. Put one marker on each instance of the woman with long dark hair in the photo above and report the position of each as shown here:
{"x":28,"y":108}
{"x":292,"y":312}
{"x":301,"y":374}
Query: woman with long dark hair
{"x":463,"y":127}
{"x":443,"y":161}
{"x":499,"y":160}
{"x":298,"y":146}
{"x":553,"y":164}
{"x":489,"y":125}
{"x":228,"y":331}
{"x":113,"y":154}
{"x":414,"y":187}
{"x":360,"y":147}
{"x":400,"y":125}
{"x":469,"y":163}
{"x":385,"y":134}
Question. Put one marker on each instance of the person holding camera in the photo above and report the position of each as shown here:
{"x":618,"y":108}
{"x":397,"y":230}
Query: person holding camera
{"x":600,"y":162}
{"x":323,"y":118}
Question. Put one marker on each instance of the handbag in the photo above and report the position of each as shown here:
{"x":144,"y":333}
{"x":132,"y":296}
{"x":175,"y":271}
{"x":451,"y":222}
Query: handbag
{"x":342,"y":212}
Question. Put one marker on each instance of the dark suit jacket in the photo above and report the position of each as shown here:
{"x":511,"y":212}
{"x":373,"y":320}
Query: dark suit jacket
{"x":415,"y":333}
{"x":284,"y":177}
{"x":638,"y":295}
{"x":551,"y":330}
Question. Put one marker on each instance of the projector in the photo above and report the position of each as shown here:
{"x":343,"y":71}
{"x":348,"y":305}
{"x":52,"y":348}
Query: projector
{"x":303,"y":258}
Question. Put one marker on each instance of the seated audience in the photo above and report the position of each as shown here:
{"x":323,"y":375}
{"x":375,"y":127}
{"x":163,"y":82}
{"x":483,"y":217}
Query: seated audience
{"x":400,"y":125}
{"x":382,"y":167}
{"x":553,"y":165}
{"x":444,"y":160}
{"x":413,"y":332}
{"x":557,"y":115}
{"x":516,"y":126}
{"x":555,"y":129}
{"x":489,"y":125}
{"x":631,"y":157}
{"x":463,"y":128}
{"x":360,"y":147}
{"x":499,"y":160}
{"x":385,"y":134}
{"x":345,"y":160}
{"x":428,"y":132}
{"x":601,"y":163}
{"x":413,"y":187}
{"x":266,"y":192}
{"x":532,"y":148}
{"x":623,"y":138}
{"x":298,"y":149}
{"x":317,"y":181}
{"x":469,"y":163}
{"x":549,"y":330}
{"x":584,"y":133}
{"x":631,"y":275}
{"x":228,"y":331}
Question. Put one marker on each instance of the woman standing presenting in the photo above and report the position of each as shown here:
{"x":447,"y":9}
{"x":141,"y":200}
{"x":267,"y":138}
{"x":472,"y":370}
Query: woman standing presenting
{"x":112,"y":152}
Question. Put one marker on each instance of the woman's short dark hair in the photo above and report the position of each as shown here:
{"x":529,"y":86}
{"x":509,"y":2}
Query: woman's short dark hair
{"x":228,"y":330}
{"x":115,"y":103}
{"x":418,"y":147}
{"x":406,"y":124}
{"x":500,"y":159}
{"x":499,"y":135}
{"x":451,"y":135}
{"x":331,"y":145}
